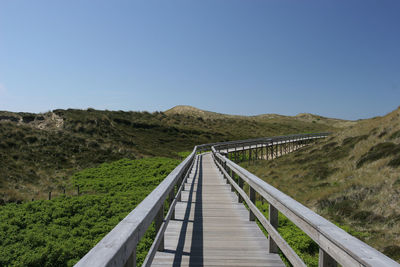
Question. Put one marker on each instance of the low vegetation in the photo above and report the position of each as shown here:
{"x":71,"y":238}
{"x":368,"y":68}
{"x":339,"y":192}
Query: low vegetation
{"x":351,"y":178}
{"x":40,"y":152}
{"x":59,"y":232}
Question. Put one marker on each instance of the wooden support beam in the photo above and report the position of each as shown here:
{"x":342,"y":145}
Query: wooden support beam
{"x":171,"y":198}
{"x":240,"y":183}
{"x":250,"y":154}
{"x":256,"y":151}
{"x":325,"y":260}
{"x":252,"y":196}
{"x":131,"y":262}
{"x":236,"y":155}
{"x":232,"y":174}
{"x":273,"y":220}
{"x":272,"y":150}
{"x":262,"y":151}
{"x":158,"y":221}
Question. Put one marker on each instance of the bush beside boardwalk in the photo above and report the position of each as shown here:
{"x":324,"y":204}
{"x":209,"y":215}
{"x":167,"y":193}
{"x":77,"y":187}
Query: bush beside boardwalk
{"x":61,"y":231}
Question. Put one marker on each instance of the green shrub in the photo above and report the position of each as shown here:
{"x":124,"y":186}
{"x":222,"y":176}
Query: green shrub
{"x":59,"y":232}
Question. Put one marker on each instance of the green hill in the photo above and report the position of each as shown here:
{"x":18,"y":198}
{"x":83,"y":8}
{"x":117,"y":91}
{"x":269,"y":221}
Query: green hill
{"x":352,"y":178}
{"x":40,"y":152}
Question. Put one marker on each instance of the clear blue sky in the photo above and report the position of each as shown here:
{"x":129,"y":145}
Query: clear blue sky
{"x":338,"y":58}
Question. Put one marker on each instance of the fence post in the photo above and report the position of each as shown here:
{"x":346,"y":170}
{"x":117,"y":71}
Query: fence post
{"x":171,"y":199}
{"x":252,"y":195}
{"x":262,"y":151}
{"x":325,"y":260}
{"x":158,"y":222}
{"x":273,"y":219}
{"x":232,"y":174}
{"x":236,"y":155}
{"x":50,"y":195}
{"x":240,"y":183}
{"x":131,"y":262}
{"x":272,"y":150}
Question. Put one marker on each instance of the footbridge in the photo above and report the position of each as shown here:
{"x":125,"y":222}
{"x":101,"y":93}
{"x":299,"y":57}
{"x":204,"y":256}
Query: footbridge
{"x":211,"y":219}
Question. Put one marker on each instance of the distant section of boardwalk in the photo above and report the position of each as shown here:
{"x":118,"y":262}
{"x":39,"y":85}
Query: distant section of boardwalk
{"x":211,"y":228}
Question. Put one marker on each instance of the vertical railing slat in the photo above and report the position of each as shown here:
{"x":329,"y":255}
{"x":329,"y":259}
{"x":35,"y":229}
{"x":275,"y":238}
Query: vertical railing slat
{"x":273,"y":219}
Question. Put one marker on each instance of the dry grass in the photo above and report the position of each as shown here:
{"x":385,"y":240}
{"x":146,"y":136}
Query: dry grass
{"x":329,"y":178}
{"x":302,"y":117}
{"x":38,"y":151}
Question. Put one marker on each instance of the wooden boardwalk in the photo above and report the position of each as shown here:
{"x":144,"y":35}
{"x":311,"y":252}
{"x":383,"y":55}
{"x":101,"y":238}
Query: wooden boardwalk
{"x":211,"y":228}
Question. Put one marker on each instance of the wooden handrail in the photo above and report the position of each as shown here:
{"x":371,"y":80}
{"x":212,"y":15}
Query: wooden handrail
{"x":283,"y":245}
{"x":344,"y":248}
{"x":118,"y":247}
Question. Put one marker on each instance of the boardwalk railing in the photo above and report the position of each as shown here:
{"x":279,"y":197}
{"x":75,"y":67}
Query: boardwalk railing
{"x":336,"y":246}
{"x":118,"y":247}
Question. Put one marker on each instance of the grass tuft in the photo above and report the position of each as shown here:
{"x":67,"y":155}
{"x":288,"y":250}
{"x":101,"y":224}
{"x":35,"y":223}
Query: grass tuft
{"x":379,"y":151}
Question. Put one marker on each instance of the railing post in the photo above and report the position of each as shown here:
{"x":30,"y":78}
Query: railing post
{"x":171,"y":199}
{"x":240,"y":183}
{"x":325,"y":260}
{"x":226,"y":169}
{"x":131,"y":262}
{"x":180,"y":181}
{"x":272,"y":150}
{"x":235,"y":155}
{"x":158,"y":222}
{"x":273,"y":220}
{"x":252,"y":195}
{"x":232,"y":174}
{"x":249,"y":153}
{"x":262,"y":151}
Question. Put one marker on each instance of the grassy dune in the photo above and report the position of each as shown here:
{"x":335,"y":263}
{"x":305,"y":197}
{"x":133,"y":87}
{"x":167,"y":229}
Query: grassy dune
{"x":351,"y":178}
{"x":40,"y":152}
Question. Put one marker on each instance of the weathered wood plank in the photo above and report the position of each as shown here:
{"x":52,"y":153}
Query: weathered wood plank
{"x":344,"y":248}
{"x":211,"y":227}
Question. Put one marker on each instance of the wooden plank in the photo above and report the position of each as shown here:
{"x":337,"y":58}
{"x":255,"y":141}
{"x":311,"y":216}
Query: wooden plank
{"x":272,"y":232}
{"x":344,"y":248}
{"x":116,"y":248}
{"x":211,"y":227}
